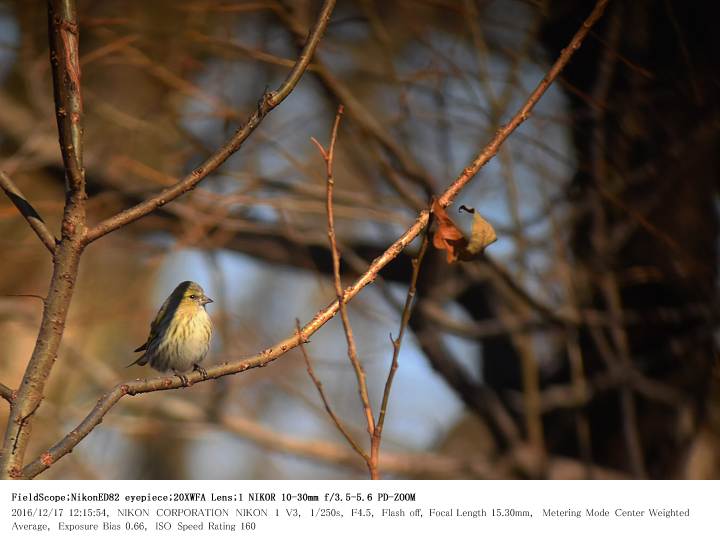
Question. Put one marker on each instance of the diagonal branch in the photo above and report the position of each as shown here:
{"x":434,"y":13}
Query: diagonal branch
{"x":28,"y":212}
{"x":524,"y":113}
{"x":7,"y":393}
{"x":268,"y":102}
{"x":94,"y":418}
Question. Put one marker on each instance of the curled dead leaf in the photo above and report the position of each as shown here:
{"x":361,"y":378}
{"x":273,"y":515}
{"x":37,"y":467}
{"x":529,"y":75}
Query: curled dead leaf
{"x":450,"y":238}
{"x":482,"y":235}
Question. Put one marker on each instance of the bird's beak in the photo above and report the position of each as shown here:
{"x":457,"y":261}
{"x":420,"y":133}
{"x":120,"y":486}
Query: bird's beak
{"x":207,"y":300}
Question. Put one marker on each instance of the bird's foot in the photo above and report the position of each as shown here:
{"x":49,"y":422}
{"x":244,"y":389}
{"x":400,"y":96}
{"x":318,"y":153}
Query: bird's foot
{"x":202,"y":371}
{"x":183,"y":379}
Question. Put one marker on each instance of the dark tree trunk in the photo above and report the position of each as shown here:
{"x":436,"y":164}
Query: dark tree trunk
{"x":645,"y":106}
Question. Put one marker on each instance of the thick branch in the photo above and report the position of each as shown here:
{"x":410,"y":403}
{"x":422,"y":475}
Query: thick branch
{"x":64,"y":60}
{"x":64,"y":35}
{"x":268,"y":102}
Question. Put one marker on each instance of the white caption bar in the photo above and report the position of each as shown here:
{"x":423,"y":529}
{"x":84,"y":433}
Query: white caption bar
{"x":358,"y":511}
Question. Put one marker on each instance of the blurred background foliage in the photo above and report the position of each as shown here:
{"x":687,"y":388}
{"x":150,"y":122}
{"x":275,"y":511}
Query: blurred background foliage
{"x":581,"y":345}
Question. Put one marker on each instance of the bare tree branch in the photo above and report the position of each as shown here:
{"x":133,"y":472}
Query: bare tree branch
{"x":367,"y":122}
{"x":397,"y":344}
{"x":321,"y":391}
{"x":27,"y":211}
{"x":63,"y":36}
{"x":521,"y":116}
{"x":7,"y":393}
{"x":269,"y":101}
{"x":328,"y":157}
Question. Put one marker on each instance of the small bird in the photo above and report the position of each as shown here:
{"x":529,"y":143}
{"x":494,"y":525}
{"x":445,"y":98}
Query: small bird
{"x":180,"y":333}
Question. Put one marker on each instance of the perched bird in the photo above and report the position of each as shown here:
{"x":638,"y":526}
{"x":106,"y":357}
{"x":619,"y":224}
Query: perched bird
{"x":180,"y":333}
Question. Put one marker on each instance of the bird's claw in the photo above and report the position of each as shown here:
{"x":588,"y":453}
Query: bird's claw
{"x":202,"y":371}
{"x":183,"y":379}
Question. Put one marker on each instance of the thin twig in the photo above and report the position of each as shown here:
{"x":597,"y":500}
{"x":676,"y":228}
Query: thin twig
{"x":573,"y":349}
{"x":267,"y":103}
{"x":397,"y":343}
{"x":104,"y":404}
{"x":319,"y":386}
{"x":521,"y":116}
{"x":27,"y":211}
{"x":329,"y":156}
{"x":365,"y":119}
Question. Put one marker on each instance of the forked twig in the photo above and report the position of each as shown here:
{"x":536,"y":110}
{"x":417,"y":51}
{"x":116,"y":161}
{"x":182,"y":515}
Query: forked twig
{"x":397,"y":343}
{"x":329,"y":156}
{"x":319,"y":386}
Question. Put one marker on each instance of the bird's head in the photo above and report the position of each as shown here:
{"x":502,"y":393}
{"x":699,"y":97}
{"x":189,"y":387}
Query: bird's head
{"x":191,"y":294}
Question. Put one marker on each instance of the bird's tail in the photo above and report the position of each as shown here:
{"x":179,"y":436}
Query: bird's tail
{"x":140,"y":361}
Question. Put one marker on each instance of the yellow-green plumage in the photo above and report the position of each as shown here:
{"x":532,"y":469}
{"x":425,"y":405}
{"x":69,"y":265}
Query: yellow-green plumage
{"x":181,"y":332}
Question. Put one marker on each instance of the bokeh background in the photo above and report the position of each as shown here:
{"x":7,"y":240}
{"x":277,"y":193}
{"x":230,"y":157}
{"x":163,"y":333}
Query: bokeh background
{"x":582,"y":344}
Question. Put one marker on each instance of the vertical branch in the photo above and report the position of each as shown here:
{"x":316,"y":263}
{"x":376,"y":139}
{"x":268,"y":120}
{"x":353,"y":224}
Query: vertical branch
{"x":580,"y":390}
{"x":531,"y":393}
{"x":608,"y":282}
{"x":397,"y":343}
{"x":328,"y":156}
{"x":572,"y":347}
{"x":63,"y":36}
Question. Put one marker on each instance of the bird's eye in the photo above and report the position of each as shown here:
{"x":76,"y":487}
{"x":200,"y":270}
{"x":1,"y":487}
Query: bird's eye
{"x":192,"y":297}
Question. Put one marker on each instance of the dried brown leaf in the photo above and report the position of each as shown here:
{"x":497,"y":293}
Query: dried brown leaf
{"x":450,"y":238}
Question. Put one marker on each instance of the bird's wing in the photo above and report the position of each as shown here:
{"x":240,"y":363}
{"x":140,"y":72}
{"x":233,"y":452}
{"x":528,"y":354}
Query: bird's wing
{"x":155,"y":326}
